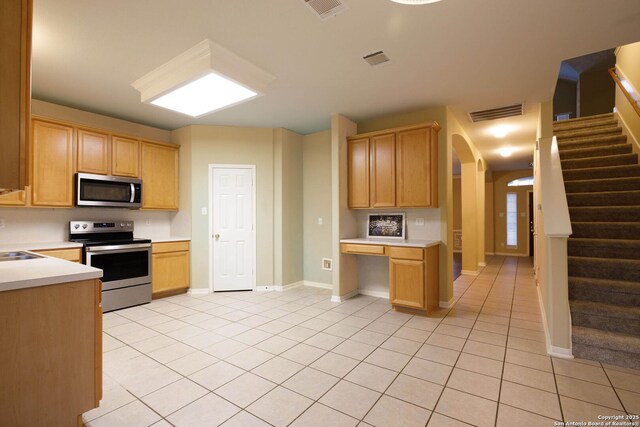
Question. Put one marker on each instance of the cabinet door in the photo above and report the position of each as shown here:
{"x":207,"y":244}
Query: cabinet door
{"x":358,"y":172}
{"x":383,"y":171}
{"x":170,"y":271}
{"x":159,"y":176}
{"x":406,"y":280}
{"x":52,"y":167}
{"x":416,"y":166}
{"x":13,"y":198}
{"x":93,"y":152}
{"x":125,"y":159}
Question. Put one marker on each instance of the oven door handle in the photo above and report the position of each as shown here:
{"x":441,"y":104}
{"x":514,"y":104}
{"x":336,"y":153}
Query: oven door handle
{"x":118,"y":247}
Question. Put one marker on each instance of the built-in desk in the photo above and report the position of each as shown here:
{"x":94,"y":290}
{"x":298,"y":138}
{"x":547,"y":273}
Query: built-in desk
{"x":413,"y":270}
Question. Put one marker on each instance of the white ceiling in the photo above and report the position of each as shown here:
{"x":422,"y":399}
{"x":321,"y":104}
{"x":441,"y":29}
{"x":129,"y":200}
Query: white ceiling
{"x":467,"y":54}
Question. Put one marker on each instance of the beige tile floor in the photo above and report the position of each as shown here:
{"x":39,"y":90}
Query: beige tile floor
{"x":295,"y":358}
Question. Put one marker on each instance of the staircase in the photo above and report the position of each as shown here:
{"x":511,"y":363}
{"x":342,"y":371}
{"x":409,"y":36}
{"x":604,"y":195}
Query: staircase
{"x":602,"y":182}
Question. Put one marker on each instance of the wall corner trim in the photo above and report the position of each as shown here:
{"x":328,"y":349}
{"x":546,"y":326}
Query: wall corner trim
{"x":198,"y":291}
{"x":470,"y":272}
{"x":447,"y":304}
{"x":288,"y":286}
{"x":377,"y":294}
{"x":342,"y":298}
{"x":561,"y":352}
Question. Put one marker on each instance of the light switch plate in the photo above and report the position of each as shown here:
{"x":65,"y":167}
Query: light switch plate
{"x":320,"y":221}
{"x":203,"y":211}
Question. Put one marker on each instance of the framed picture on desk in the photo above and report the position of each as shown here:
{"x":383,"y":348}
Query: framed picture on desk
{"x":386,"y":225}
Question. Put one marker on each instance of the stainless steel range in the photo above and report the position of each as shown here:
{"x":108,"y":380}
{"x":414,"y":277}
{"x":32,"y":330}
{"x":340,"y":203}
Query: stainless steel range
{"x":125,"y":261}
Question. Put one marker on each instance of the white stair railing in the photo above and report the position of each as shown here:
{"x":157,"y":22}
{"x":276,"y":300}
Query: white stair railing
{"x":552,"y":229}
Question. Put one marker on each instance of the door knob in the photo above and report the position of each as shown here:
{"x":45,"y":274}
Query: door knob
{"x":216,"y":236}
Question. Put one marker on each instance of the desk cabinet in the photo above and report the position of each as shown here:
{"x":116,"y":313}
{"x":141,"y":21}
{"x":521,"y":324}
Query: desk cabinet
{"x":413,"y":274}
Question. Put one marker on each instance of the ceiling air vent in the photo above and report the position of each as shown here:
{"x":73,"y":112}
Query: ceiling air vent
{"x":376,"y":59}
{"x":497,"y":113}
{"x":325,"y":9}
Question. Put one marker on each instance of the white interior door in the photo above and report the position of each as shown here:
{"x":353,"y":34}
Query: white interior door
{"x":233,"y":228}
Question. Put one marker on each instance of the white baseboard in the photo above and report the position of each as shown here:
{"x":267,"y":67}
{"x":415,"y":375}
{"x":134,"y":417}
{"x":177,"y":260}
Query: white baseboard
{"x":198,"y":291}
{"x":564,"y":353}
{"x":489,"y":253}
{"x":482,"y":264}
{"x":279,"y":288}
{"x":508,"y":254}
{"x":447,"y":304}
{"x":264,"y":288}
{"x":377,"y":294}
{"x":457,"y":251}
{"x":341,"y":298}
{"x":470,"y":272}
{"x":318,"y":284}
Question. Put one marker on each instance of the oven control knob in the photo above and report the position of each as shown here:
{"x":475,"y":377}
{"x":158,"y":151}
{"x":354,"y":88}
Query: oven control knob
{"x":76,"y":226}
{"x":84,"y":226}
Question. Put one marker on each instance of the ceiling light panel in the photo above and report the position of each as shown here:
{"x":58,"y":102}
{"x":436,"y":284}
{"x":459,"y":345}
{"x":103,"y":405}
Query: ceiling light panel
{"x":203,"y":79}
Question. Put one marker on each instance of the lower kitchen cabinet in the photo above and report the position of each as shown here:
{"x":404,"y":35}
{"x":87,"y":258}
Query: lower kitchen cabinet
{"x":413,"y":278}
{"x":73,"y":254}
{"x":170,"y":266}
{"x":50,"y":353}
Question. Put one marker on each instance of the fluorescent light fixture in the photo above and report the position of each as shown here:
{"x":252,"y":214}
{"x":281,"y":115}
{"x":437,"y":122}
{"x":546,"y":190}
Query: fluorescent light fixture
{"x":203,"y":79}
{"x":506,"y":151}
{"x":414,"y":1}
{"x":501,"y":131}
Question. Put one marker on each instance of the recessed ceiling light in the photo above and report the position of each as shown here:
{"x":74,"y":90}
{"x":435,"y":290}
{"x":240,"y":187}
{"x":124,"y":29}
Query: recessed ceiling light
{"x":501,"y":131}
{"x":203,"y":79}
{"x":414,"y":1}
{"x":506,"y":151}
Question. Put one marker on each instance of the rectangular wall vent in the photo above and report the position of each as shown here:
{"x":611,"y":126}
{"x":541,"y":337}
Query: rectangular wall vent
{"x":325,"y":9}
{"x":497,"y":113}
{"x":376,"y":59}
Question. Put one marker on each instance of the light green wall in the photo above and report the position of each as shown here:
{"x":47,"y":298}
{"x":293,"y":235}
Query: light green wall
{"x":288,"y":216}
{"x":316,"y":179}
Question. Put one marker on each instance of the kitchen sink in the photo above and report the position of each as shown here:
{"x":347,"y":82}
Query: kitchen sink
{"x":17,"y":256}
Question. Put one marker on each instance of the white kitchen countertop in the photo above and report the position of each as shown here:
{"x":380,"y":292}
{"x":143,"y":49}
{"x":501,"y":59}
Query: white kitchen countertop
{"x":38,"y":246}
{"x":42,"y":271}
{"x":412,"y":243}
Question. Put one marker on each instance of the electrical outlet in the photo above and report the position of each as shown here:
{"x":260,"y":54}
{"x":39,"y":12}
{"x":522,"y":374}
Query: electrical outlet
{"x":147,"y":221}
{"x":327,"y":264}
{"x":320,"y":221}
{"x":420,"y":221}
{"x":1,"y":223}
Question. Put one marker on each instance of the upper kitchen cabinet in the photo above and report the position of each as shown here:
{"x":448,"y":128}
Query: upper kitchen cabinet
{"x":106,"y":154}
{"x":417,"y":168}
{"x":394,"y":168}
{"x":159,"y":176}
{"x":125,"y":158}
{"x":15,"y":87}
{"x":52,"y":164}
{"x":93,"y":152}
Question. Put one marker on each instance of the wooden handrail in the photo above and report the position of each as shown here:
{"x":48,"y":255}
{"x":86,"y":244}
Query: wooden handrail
{"x":614,"y":76}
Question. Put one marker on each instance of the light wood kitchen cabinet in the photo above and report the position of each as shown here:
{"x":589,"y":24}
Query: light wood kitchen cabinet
{"x":358,"y":172}
{"x":15,"y":87}
{"x":394,"y":168}
{"x":417,"y":168}
{"x":15,"y":198}
{"x":125,"y":160}
{"x":51,"y":353}
{"x":413,"y":278}
{"x":383,"y":171}
{"x":170,"y":265}
{"x":93,"y":152}
{"x":159,"y":176}
{"x":52,"y":164}
{"x":71,"y":254}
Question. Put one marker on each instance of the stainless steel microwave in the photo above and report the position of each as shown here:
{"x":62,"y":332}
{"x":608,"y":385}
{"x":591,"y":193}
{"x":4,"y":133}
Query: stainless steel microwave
{"x":109,"y":191}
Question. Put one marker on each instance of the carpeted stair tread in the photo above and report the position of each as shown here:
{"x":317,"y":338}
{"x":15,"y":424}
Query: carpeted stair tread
{"x":566,"y":125}
{"x":607,"y":347}
{"x":577,"y":133}
{"x":606,"y":184}
{"x":604,"y":268}
{"x":595,"y":117}
{"x":607,"y":150}
{"x":604,"y":290}
{"x":591,"y":141}
{"x":604,"y":213}
{"x":606,"y":317}
{"x":604,"y":230}
{"x":604,"y":198}
{"x":600,"y":161}
{"x":603,"y":248}
{"x":601,"y":172}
